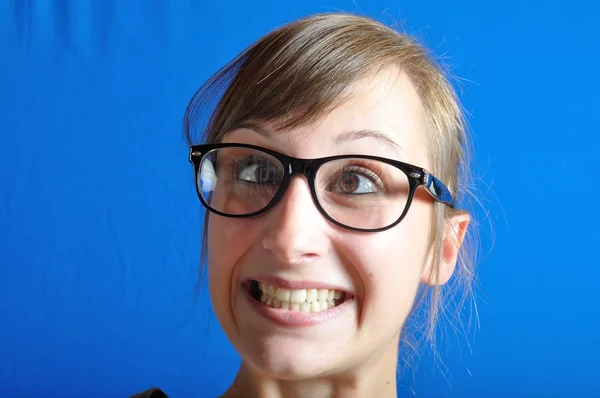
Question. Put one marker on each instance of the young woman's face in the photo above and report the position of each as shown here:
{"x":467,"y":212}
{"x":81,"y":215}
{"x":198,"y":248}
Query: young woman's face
{"x":293,"y":247}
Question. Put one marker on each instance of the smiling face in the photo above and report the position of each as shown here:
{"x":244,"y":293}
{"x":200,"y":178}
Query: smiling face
{"x":293,"y":247}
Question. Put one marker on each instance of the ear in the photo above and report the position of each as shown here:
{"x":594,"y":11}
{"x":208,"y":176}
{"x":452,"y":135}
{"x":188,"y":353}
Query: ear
{"x":454,"y":234}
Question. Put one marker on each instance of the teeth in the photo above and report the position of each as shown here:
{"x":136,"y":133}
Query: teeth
{"x":284,"y":294}
{"x":298,"y":296}
{"x":311,"y":295}
{"x":305,"y":300}
{"x":323,"y":293}
{"x":330,"y":295}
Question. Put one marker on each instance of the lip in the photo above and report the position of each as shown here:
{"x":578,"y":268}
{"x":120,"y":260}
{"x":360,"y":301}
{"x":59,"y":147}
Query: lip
{"x":295,"y":319}
{"x":296,"y":285}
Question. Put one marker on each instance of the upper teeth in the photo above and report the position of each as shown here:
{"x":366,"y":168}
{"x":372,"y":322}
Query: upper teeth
{"x":301,"y":295}
{"x":301,"y":299}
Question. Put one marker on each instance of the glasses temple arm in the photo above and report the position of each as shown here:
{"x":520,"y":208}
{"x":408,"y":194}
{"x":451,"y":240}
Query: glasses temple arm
{"x":438,"y":190}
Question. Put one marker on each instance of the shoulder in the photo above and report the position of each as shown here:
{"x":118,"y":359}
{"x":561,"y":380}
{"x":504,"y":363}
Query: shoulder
{"x":151,"y":393}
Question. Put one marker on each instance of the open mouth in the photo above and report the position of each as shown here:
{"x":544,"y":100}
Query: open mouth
{"x":304,"y":300}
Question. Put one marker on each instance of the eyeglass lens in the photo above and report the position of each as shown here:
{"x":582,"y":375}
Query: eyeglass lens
{"x":360,"y":193}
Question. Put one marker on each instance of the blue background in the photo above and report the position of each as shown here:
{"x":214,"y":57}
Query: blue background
{"x":100,"y":226}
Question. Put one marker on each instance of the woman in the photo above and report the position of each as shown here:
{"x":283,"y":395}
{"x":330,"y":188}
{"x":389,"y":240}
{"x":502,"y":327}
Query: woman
{"x":332,"y":169}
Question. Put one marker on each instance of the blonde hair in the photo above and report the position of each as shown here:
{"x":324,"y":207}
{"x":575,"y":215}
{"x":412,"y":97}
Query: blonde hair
{"x":303,"y":70}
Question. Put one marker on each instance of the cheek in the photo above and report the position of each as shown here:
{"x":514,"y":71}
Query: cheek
{"x":390,"y":264}
{"x":397,"y":262}
{"x":228,"y":241}
{"x":401,"y":250}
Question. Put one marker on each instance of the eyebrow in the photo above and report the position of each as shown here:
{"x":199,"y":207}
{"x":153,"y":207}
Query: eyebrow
{"x":365,"y":133}
{"x":346,"y":136}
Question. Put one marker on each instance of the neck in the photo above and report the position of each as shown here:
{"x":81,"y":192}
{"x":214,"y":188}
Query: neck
{"x":373,"y":378}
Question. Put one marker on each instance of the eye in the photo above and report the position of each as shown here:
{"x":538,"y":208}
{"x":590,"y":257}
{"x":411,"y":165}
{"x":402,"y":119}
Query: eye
{"x":357,"y":181}
{"x":259,"y":171}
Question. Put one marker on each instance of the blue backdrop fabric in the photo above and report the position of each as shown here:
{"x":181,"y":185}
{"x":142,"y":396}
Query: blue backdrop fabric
{"x":100,"y":225}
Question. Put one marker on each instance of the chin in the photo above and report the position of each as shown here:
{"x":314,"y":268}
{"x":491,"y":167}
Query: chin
{"x":289,"y":360}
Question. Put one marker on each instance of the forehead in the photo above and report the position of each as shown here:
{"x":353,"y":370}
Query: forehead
{"x":382,"y":116}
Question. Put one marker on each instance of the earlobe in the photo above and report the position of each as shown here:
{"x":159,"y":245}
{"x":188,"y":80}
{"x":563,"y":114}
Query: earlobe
{"x":454,"y":234}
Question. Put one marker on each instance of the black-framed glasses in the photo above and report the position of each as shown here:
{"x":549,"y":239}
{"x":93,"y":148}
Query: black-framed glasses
{"x":357,"y":192}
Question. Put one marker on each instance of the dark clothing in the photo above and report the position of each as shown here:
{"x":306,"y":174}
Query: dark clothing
{"x":151,"y":393}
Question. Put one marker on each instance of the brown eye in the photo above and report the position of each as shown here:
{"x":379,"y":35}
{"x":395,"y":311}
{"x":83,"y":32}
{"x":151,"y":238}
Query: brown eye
{"x":355,"y":181}
{"x":349,"y":182}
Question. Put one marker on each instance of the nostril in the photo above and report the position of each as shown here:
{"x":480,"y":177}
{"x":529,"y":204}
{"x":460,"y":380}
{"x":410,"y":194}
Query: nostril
{"x":309,"y":256}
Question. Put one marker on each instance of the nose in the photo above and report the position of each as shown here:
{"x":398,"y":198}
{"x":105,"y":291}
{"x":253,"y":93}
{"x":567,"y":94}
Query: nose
{"x":296,"y":232}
